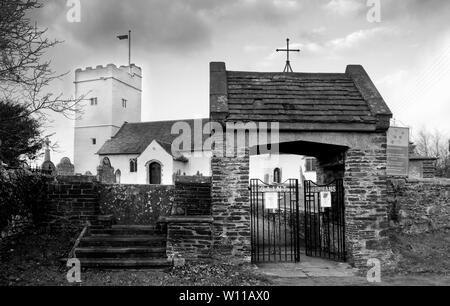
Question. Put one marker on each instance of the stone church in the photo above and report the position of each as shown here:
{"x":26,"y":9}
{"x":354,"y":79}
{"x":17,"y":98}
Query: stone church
{"x":141,"y":152}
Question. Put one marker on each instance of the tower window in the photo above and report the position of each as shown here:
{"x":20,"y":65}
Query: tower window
{"x":94,"y":101}
{"x":310,"y":165}
{"x":133,"y":165}
{"x":94,"y":141}
{"x":124,"y":103}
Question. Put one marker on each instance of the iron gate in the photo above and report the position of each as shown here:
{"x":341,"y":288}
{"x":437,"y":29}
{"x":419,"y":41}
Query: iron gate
{"x":324,"y":217}
{"x":275,"y":221}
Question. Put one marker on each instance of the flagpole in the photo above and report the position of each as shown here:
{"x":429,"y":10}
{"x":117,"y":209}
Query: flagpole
{"x":129,"y":50}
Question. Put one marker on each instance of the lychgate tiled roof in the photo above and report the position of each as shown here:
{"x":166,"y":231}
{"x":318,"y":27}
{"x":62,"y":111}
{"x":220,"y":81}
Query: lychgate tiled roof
{"x":299,"y":101}
{"x":134,"y":138}
{"x":294,"y":97}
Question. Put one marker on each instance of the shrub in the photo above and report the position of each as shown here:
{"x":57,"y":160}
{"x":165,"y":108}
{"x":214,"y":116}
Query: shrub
{"x":20,"y":193}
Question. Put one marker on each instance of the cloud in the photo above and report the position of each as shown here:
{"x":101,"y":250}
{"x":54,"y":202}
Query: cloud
{"x":393,"y":9}
{"x":345,"y":7}
{"x":157,"y":25}
{"x":358,"y":38}
{"x":353,"y":40}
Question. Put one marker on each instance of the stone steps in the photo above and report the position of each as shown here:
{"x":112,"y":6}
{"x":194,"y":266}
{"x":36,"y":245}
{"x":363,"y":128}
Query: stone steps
{"x":130,"y":246}
{"x":121,"y":263}
{"x":124,"y":252}
{"x":124,"y":231}
{"x":123,"y":241}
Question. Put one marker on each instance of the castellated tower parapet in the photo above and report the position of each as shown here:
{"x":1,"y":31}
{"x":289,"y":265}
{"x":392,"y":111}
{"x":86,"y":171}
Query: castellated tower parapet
{"x":111,"y":96}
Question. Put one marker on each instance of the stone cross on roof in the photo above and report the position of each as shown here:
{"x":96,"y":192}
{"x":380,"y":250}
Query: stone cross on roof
{"x":288,"y":67}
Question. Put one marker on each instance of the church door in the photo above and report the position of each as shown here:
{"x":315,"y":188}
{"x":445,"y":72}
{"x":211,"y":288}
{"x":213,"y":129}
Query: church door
{"x":154,"y":174}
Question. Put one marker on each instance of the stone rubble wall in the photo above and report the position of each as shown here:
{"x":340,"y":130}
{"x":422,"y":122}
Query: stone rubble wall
{"x":419,"y":206}
{"x":71,"y":202}
{"x":189,"y":238}
{"x":190,"y":227}
{"x":192,"y":196}
{"x":136,"y":204}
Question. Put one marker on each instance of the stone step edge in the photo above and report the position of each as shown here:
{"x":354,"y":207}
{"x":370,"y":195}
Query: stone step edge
{"x":120,"y":250}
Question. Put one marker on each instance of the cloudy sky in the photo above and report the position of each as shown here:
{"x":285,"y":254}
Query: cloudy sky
{"x":407,"y":54}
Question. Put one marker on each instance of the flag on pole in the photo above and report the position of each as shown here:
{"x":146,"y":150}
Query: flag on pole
{"x":128,"y":37}
{"x":122,"y":37}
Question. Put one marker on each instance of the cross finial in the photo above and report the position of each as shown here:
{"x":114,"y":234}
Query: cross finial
{"x":288,"y":67}
{"x":47,"y":149}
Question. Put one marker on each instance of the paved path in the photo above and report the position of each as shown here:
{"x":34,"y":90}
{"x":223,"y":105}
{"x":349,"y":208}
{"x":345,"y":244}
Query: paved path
{"x":319,"y":272}
{"x":309,"y":272}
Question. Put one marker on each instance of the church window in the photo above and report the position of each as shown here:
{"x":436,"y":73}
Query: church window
{"x":94,"y":101}
{"x":118,"y":175}
{"x":133,"y":165}
{"x":124,"y":103}
{"x":310,"y":165}
{"x":277,"y":176}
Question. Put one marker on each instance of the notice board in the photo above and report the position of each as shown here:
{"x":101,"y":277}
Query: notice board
{"x":398,"y":151}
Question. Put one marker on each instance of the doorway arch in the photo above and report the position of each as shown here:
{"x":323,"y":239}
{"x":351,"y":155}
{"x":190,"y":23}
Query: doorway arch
{"x":154,"y":172}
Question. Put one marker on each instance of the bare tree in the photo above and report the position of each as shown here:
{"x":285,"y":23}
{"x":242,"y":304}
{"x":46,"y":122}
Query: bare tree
{"x":436,"y":145}
{"x":24,"y":75}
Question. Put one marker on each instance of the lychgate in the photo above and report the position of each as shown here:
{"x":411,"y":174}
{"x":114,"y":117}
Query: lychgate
{"x":341,"y":120}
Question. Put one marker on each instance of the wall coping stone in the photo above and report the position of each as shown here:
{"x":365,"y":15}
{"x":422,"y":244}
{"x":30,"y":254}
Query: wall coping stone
{"x":187,"y":219}
{"x":77,"y":179}
{"x":435,"y":181}
{"x":193,"y":179}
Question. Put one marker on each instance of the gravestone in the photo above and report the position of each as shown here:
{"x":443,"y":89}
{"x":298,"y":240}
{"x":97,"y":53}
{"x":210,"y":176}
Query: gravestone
{"x":49,"y":167}
{"x":105,"y":172}
{"x":65,"y":167}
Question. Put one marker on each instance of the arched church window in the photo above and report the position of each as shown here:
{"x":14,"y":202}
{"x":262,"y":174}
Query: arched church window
{"x":133,"y":165}
{"x":154,"y":172}
{"x":118,"y":176}
{"x":277,"y":175}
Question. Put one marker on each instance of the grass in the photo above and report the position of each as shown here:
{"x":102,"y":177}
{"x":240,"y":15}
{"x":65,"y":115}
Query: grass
{"x":423,"y":253}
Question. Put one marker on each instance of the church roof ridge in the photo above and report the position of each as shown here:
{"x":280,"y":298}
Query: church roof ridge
{"x":134,"y":138}
{"x":168,"y":120}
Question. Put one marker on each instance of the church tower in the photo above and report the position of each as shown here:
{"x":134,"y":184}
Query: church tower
{"x":112,"y":96}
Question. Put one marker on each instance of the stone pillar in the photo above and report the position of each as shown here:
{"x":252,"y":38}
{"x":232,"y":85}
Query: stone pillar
{"x":230,"y":205}
{"x":231,"y":202}
{"x":366,"y":203}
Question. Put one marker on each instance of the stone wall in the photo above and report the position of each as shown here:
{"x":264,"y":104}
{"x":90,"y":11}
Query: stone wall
{"x":419,"y":206}
{"x":190,"y":228}
{"x":366,"y":203}
{"x":71,"y":201}
{"x":422,"y":168}
{"x":192,"y":196}
{"x":136,"y":204}
{"x":189,"y":237}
